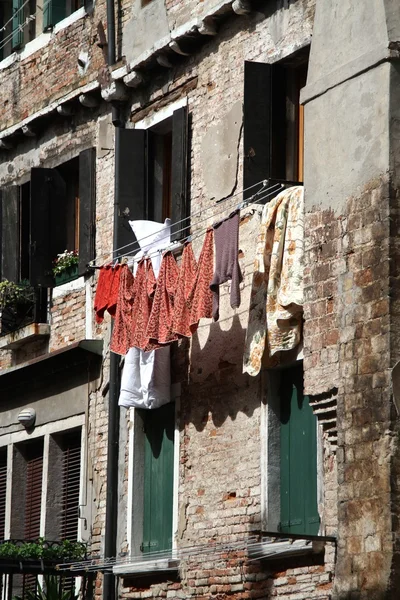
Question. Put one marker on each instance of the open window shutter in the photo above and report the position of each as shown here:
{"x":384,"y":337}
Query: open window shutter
{"x":87,"y":207}
{"x":158,"y":478}
{"x":53,"y":12}
{"x":48,"y":191}
{"x":179,"y":172}
{"x":17,"y":20}
{"x":2,"y":33}
{"x":256,"y":124}
{"x":33,"y":499}
{"x":71,"y":475}
{"x":130,"y":182}
{"x":3,"y":491}
{"x":10,"y":233}
{"x":299,"y":510}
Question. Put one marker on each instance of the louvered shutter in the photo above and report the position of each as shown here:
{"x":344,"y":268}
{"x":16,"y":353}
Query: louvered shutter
{"x":130,"y":182}
{"x":179,"y":179}
{"x":33,"y":494}
{"x":17,"y":21}
{"x":256,"y":124}
{"x":48,"y":197}
{"x":9,"y":233}
{"x":298,"y":451}
{"x":158,"y":478}
{"x":71,"y":475}
{"x":53,"y":12}
{"x":3,"y":491}
{"x":87,"y":207}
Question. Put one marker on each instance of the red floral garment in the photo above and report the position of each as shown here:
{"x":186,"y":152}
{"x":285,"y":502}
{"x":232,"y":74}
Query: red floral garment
{"x":145,"y":285}
{"x":102,"y":292}
{"x":122,"y":330}
{"x":201,"y":292}
{"x":159,"y":328}
{"x":184,"y":292}
{"x":114,"y":290}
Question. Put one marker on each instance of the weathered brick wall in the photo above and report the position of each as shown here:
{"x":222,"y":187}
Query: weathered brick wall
{"x":28,"y":85}
{"x":347,"y":348}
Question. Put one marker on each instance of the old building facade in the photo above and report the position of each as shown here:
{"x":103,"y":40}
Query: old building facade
{"x":173,"y":112}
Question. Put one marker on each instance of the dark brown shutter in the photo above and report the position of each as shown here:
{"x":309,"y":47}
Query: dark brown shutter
{"x":257,"y":125}
{"x":33,"y":497}
{"x":71,"y":475}
{"x":87,"y":207}
{"x":10,"y":233}
{"x":130,"y":182}
{"x":3,"y":491}
{"x":48,"y":197}
{"x":179,"y":179}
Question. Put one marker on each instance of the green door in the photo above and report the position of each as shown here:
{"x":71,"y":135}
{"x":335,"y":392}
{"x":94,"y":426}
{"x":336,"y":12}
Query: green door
{"x":159,"y":426}
{"x":298,"y":441}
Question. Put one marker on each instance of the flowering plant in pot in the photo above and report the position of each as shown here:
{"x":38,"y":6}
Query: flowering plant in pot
{"x":65,"y":266}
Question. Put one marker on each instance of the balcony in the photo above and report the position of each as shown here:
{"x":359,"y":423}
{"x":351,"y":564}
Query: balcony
{"x":23,"y":315}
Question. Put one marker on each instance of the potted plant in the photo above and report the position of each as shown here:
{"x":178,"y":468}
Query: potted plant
{"x":65,"y":266}
{"x":16,"y":302}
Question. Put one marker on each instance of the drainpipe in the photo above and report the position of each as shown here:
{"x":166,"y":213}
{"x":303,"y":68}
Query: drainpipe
{"x":111,"y":519}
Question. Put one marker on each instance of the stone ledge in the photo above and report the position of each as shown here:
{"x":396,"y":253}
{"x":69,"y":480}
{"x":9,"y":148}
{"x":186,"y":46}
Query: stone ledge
{"x":16,"y":339}
{"x":146,"y":567}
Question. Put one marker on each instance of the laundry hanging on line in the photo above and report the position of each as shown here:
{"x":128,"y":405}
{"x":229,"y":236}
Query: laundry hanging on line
{"x":276,"y":301}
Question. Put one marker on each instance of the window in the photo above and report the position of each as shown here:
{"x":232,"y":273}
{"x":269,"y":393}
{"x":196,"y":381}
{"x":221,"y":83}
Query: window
{"x":159,"y":428}
{"x":19,"y":29}
{"x":152,"y":508}
{"x":289,"y":456}
{"x":54,"y":211}
{"x":274,"y":121}
{"x":23,"y":20}
{"x":151,"y":174}
{"x":45,"y":487}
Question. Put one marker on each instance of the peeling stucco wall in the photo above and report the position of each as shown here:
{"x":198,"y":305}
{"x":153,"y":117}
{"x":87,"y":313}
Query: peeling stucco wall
{"x":220,"y":153}
{"x":147,"y":25}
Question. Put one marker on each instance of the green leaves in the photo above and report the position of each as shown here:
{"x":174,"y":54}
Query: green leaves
{"x":41,"y":549}
{"x":14,"y":293}
{"x":52,"y":590}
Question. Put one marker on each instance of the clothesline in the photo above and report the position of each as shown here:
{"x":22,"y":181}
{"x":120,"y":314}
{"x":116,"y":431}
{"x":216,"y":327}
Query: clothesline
{"x":272,"y":190}
{"x":175,"y":246}
{"x":191,"y":216}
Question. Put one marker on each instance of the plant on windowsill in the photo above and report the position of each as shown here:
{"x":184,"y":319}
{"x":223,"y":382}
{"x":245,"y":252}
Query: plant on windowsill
{"x":41,"y":549}
{"x":65,"y":266}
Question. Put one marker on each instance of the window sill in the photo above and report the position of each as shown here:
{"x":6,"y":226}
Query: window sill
{"x":272,"y":549}
{"x":16,"y":339}
{"x":70,"y":286}
{"x":146,"y":567}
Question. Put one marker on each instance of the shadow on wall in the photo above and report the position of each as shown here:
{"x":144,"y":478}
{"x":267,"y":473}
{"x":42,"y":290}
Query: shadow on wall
{"x":217,"y":385}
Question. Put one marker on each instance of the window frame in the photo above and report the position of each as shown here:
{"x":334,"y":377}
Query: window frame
{"x":9,"y":441}
{"x":270,"y":452}
{"x":135,"y":495}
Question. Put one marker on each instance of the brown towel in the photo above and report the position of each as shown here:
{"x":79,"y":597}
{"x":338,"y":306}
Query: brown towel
{"x":226,"y":235}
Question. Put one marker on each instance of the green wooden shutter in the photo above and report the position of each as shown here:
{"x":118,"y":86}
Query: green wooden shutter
{"x":298,"y":447}
{"x":17,"y":20}
{"x":158,"y":478}
{"x":53,"y":12}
